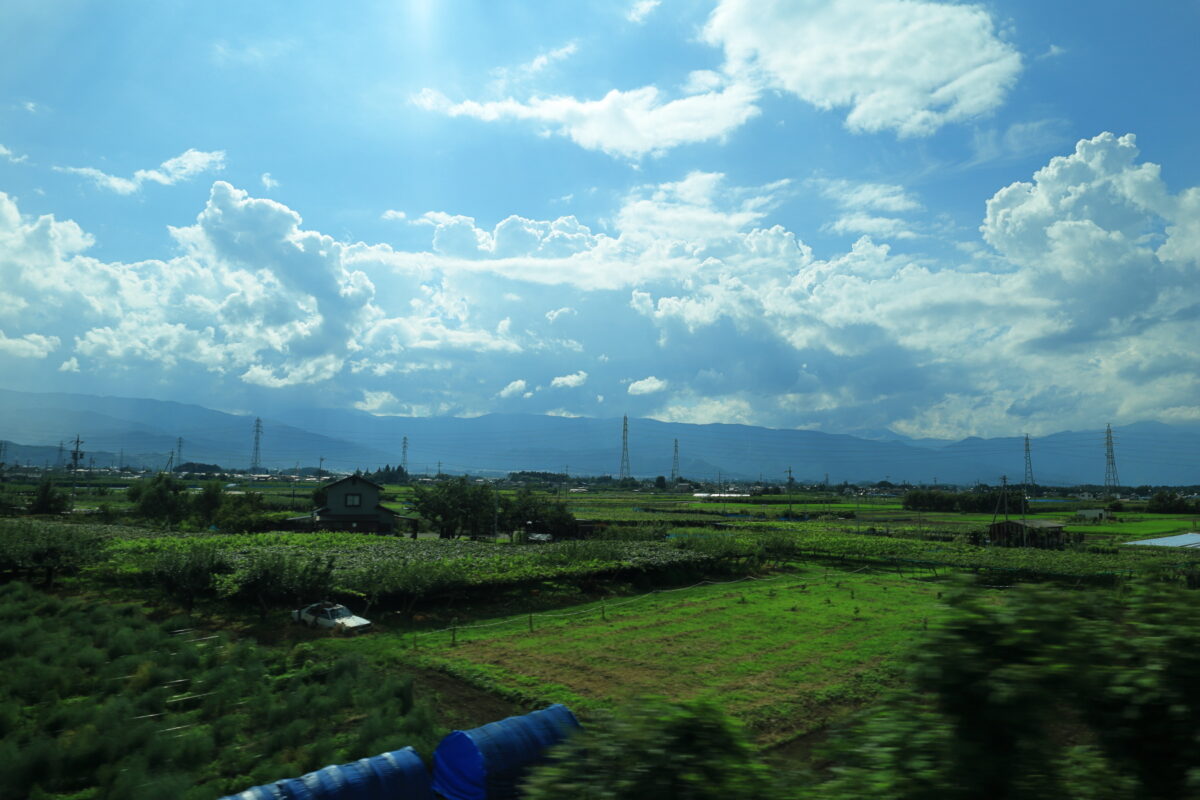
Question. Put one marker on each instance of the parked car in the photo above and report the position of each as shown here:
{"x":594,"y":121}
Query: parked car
{"x":330,"y":615}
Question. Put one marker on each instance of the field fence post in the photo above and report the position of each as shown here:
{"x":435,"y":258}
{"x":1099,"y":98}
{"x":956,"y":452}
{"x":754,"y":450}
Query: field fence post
{"x":454,"y":631}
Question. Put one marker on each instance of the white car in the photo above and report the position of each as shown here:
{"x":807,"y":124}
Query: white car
{"x":330,"y":615}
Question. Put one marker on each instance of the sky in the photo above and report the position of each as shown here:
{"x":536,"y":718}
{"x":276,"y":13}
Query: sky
{"x":942,"y":219}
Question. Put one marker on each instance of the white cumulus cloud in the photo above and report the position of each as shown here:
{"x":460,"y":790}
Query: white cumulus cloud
{"x":9,"y":155}
{"x":631,"y":124}
{"x":641,"y":9}
{"x":513,"y":389}
{"x":908,"y":66}
{"x":186,"y":165}
{"x":570,"y":381}
{"x":31,"y":345}
{"x":648,"y":385}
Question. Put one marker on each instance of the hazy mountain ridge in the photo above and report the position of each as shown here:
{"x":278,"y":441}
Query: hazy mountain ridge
{"x":1147,"y":452}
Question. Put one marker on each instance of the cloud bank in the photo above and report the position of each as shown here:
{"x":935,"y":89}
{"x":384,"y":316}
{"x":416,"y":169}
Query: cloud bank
{"x":907,"y":67}
{"x":1076,"y":304}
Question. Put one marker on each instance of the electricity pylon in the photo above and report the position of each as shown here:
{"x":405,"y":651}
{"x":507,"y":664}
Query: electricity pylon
{"x":1111,"y":481}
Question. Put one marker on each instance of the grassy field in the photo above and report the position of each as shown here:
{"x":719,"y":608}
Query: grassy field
{"x":784,"y":655}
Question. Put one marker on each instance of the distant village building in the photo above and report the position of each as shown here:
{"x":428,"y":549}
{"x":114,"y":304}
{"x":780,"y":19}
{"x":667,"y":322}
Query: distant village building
{"x":1031,"y":533}
{"x":352,"y":504}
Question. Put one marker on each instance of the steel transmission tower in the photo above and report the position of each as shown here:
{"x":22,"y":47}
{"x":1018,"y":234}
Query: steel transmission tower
{"x":625,"y":448}
{"x":404,"y":455}
{"x":76,"y":455}
{"x":1111,"y":481}
{"x":256,"y":456}
{"x":675,"y":464}
{"x":1028,"y":466}
{"x":178,"y":452}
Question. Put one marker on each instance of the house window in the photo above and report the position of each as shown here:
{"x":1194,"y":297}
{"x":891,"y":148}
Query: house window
{"x":353,"y":500}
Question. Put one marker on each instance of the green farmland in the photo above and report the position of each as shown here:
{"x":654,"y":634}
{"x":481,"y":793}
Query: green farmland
{"x":785,"y":655}
{"x":788,"y":622}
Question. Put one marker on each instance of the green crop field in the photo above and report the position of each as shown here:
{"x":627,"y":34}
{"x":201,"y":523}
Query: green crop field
{"x":1130,"y":528}
{"x":785,"y":655}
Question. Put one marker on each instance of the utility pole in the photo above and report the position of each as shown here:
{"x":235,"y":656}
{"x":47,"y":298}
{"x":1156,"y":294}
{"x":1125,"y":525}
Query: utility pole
{"x":789,"y":491}
{"x":256,"y":456}
{"x":625,"y":448}
{"x":61,"y":462}
{"x":675,"y":464}
{"x":76,"y":455}
{"x":1003,"y":501}
{"x":1112,"y":483}
{"x":320,"y":467}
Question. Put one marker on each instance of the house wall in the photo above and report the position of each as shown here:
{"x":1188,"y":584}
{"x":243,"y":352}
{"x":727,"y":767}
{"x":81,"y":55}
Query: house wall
{"x":335,"y":497}
{"x":366,"y":516}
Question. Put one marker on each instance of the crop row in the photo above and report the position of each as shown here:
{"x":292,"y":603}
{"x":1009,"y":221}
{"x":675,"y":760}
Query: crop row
{"x":1093,"y":564}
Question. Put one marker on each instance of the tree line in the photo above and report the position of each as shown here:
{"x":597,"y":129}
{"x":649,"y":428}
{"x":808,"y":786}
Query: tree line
{"x":966,"y":502}
{"x":458,"y":507}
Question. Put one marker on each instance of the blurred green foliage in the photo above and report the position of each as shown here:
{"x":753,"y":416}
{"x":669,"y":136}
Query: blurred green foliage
{"x":685,"y":751}
{"x":98,"y":701}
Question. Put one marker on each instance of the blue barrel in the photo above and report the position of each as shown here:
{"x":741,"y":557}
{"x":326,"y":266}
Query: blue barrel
{"x":489,"y":762}
{"x":398,"y":775}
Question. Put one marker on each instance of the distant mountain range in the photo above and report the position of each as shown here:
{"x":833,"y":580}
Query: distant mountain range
{"x":145,"y":432}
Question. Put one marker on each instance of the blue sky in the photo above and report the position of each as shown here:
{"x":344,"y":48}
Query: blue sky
{"x":946,"y":219}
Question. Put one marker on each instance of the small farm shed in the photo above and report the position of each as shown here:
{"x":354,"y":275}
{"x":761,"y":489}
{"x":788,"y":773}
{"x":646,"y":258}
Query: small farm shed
{"x":398,"y":775}
{"x":1191,"y":540}
{"x":1093,"y":514}
{"x":1030,"y":533}
{"x":353,"y":504}
{"x":489,"y":762}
